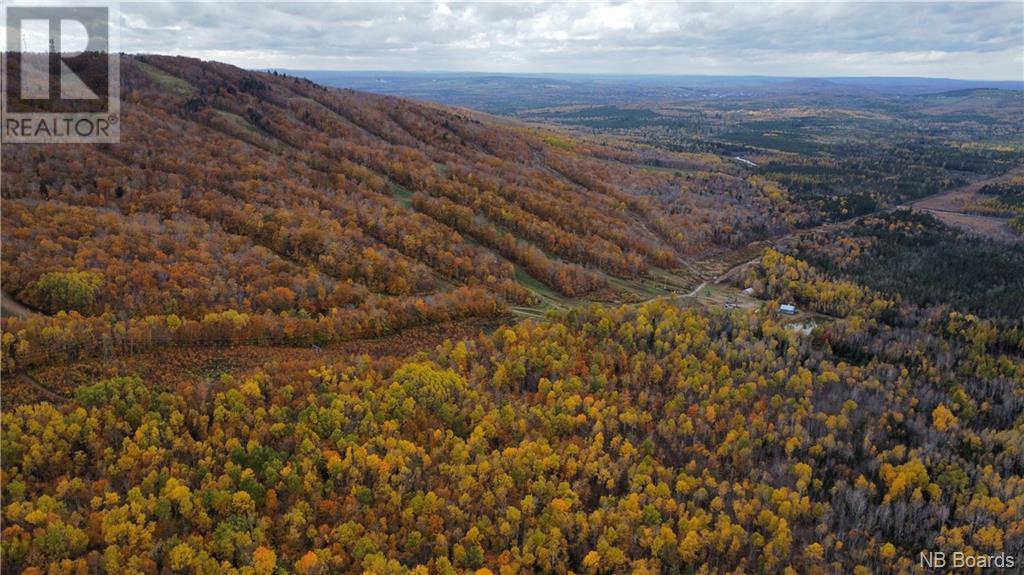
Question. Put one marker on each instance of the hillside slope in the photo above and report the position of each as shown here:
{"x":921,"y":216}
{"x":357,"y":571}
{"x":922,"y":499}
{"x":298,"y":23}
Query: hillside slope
{"x":244,"y":210}
{"x":236,"y":191}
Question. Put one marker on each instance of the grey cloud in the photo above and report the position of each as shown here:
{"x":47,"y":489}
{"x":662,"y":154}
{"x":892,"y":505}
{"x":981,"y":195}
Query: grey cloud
{"x":962,"y":39}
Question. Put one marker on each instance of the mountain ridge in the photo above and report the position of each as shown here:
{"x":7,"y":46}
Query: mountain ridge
{"x":347,"y":203}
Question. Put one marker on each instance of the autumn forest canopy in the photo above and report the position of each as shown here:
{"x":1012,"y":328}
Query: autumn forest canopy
{"x":289,"y":328}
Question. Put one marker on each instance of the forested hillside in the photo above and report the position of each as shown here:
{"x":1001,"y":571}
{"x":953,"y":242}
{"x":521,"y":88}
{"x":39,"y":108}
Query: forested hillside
{"x":270,"y":333}
{"x":313,"y":211}
{"x":632,"y":440}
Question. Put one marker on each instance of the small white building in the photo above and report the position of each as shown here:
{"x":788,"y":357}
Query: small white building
{"x":788,"y":309}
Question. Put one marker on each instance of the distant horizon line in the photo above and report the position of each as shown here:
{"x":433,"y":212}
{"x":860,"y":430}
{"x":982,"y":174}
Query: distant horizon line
{"x":1019,"y":81}
{"x":636,"y":75}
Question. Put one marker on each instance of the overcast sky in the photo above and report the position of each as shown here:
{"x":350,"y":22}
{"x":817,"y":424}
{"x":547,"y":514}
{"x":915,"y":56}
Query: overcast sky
{"x":971,"y":40}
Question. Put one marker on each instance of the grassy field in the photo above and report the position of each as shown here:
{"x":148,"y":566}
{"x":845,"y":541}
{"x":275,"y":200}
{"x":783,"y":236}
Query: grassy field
{"x":402,"y":194}
{"x":660,"y":284}
{"x":164,"y":80}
